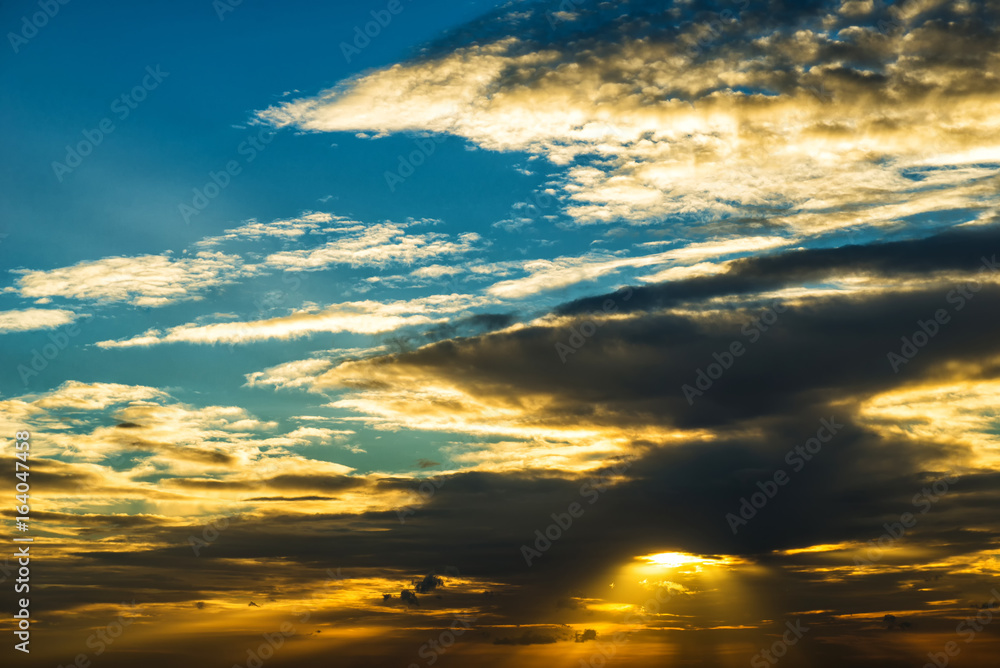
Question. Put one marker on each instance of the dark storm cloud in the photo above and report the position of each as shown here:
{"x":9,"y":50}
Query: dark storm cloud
{"x":832,"y":351}
{"x":58,"y":476}
{"x":473,"y":325}
{"x":959,"y":251}
{"x":288,"y":482}
{"x":633,"y":370}
{"x":323,"y":483}
{"x":428,"y":584}
{"x":817,"y":361}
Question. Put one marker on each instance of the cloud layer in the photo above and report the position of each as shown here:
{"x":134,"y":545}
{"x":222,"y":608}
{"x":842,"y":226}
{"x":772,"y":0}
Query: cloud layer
{"x":813,"y":117}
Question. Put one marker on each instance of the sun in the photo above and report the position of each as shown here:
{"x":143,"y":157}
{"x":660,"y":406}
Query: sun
{"x":669,"y":560}
{"x":673,"y":559}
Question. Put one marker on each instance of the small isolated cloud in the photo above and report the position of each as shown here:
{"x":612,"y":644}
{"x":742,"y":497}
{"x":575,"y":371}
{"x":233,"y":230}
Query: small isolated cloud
{"x":145,"y":280}
{"x":428,"y":584}
{"x":34,"y":318}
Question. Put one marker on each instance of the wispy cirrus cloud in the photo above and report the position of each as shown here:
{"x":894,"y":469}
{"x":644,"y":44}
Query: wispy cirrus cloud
{"x":143,"y":280}
{"x":288,"y":228}
{"x":363,"y":317}
{"x":375,"y":246}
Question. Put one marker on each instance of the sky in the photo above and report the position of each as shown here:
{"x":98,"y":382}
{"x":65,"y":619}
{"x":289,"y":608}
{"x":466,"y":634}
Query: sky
{"x":560,"y":333}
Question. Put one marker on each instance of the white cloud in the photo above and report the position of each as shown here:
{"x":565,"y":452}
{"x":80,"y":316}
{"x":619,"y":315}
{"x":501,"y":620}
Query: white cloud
{"x":145,"y":280}
{"x":299,"y":374}
{"x":77,"y":395}
{"x":562,"y":272}
{"x":375,"y":245}
{"x":364,"y":317}
{"x":650,"y":129}
{"x":34,"y":318}
{"x":291,"y":228}
{"x":436,"y":271}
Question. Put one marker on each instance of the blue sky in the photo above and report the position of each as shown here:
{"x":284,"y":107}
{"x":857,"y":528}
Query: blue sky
{"x":528,"y":250}
{"x":124,"y":198}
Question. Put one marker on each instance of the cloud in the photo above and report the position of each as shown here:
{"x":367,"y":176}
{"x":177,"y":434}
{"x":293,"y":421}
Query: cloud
{"x":436,"y":271}
{"x":563,"y":272}
{"x":428,"y":584}
{"x":894,"y":265}
{"x":35,"y":318}
{"x":375,"y":246}
{"x":145,"y":280}
{"x":528,"y":638}
{"x":366,"y":317}
{"x":288,"y":229}
{"x":813,"y":118}
{"x":296,"y":374}
{"x":179,"y":456}
{"x":527,"y":401}
{"x":77,"y":395}
{"x":799,"y":119}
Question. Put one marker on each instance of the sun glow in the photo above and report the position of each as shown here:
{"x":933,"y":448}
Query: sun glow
{"x":670,"y":560}
{"x":673,"y":559}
